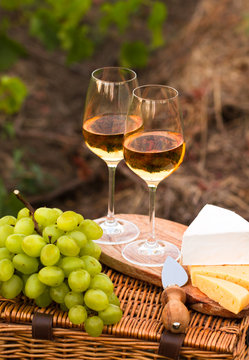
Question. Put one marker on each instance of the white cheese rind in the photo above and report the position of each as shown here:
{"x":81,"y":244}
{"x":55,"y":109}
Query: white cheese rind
{"x":217,"y":236}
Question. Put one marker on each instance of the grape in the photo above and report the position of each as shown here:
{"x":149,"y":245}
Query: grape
{"x":79,"y":237}
{"x":45,"y":216}
{"x":63,"y":307}
{"x":54,"y":214}
{"x":25,"y":264}
{"x":77,"y":314}
{"x":24,"y":226}
{"x":51,"y":233}
{"x":24,"y":277}
{"x":92,"y":249}
{"x":33,"y":244}
{"x":105,"y":275}
{"x":6,"y":269}
{"x":34,"y":287}
{"x":51,"y":275}
{"x":96,"y":299}
{"x":14,"y":243}
{"x":50,"y":255}
{"x":94,"y":326}
{"x":113,"y":299}
{"x":68,"y":221}
{"x":24,"y":212}
{"x":96,"y":251}
{"x":80,"y":218}
{"x":58,"y":293}
{"x":111,"y":315}
{"x":91,"y":229}
{"x":57,"y":211}
{"x":8,"y":219}
{"x":79,"y":280}
{"x":12,"y":287}
{"x":92,"y":265}
{"x":70,"y":264}
{"x":5,"y":254}
{"x":88,"y":249}
{"x":68,"y":246}
{"x":73,"y":298}
{"x":5,"y":231}
{"x":44,"y":299}
{"x":102,"y":282}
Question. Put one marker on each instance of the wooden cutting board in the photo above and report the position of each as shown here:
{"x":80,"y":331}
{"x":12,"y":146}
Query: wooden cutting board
{"x":172,"y":232}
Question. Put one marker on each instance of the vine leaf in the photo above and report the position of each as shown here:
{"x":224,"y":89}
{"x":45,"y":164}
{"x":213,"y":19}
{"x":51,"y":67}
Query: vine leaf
{"x":134,"y":54}
{"x":156,"y":19}
{"x":10,"y":51}
{"x":12,"y":94}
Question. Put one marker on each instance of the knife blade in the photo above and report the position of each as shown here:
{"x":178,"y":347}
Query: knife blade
{"x":175,"y":315}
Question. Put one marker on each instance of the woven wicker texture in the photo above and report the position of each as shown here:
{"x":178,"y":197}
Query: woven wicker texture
{"x":135,"y":337}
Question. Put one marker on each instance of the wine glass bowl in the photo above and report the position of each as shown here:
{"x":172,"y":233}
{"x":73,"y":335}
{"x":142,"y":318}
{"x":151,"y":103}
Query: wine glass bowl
{"x":106,"y":106}
{"x":153,"y":151}
{"x":105,"y":111}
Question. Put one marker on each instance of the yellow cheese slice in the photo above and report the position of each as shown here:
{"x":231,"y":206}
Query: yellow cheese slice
{"x":231,"y":296}
{"x":238,"y":274}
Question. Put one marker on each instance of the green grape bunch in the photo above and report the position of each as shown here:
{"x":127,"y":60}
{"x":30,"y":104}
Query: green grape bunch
{"x":50,"y":255}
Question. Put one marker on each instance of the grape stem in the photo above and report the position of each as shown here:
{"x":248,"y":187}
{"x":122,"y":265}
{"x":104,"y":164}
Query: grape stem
{"x":30,"y":207}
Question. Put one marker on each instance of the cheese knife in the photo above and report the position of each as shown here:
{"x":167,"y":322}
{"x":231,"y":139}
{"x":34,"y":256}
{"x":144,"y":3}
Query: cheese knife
{"x":175,"y":315}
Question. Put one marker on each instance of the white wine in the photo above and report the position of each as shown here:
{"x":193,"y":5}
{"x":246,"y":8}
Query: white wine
{"x":104,"y":135}
{"x":154,"y":155}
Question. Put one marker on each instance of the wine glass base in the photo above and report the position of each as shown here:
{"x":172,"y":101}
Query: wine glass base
{"x":118,"y":232}
{"x":141,"y":253}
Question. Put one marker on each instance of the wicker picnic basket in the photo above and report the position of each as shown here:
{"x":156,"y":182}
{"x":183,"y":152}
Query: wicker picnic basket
{"x":135,"y":337}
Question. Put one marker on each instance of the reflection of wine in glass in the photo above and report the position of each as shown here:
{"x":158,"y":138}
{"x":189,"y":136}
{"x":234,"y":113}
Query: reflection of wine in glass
{"x":154,"y":155}
{"x":104,"y":136}
{"x":103,"y":130}
{"x":153,"y":152}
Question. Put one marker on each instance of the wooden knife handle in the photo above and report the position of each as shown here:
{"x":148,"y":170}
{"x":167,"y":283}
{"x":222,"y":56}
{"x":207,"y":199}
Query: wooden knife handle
{"x":175,"y":316}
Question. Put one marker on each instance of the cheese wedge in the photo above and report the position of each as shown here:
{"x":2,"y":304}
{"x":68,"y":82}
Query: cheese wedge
{"x":217,"y":236}
{"x":231,"y":296}
{"x":238,"y":274}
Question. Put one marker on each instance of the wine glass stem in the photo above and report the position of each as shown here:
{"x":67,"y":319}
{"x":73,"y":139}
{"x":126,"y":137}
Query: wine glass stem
{"x":151,"y":241}
{"x":110,"y":215}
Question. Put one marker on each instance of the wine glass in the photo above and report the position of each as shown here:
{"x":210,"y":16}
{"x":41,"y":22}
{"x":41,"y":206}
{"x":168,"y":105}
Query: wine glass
{"x":154,"y":150}
{"x":107,"y":102}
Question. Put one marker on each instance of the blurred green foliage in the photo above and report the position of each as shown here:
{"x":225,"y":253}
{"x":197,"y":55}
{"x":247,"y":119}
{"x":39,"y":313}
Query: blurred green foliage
{"x":10,"y":51}
{"x":156,"y":20}
{"x":9,"y":204}
{"x":134,"y":54}
{"x":29,"y":176}
{"x":78,"y":27}
{"x":12,"y":94}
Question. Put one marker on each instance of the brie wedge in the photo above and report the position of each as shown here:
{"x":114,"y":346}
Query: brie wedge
{"x":217,"y":236}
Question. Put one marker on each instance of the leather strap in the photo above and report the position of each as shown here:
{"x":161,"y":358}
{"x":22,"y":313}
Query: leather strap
{"x":170,"y":345}
{"x":42,"y":325}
